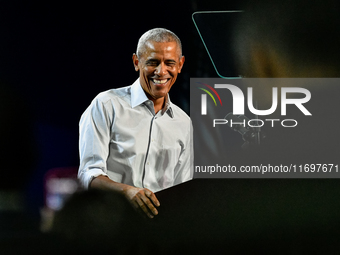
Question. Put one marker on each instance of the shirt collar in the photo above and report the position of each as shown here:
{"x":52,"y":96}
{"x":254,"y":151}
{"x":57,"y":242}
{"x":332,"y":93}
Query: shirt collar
{"x":167,"y":107}
{"x":137,"y":94}
{"x":139,"y":97}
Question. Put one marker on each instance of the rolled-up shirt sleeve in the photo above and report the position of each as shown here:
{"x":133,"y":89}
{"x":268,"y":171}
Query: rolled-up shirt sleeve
{"x":94,"y":139}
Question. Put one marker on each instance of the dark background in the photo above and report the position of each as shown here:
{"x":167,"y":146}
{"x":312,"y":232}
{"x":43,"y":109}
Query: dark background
{"x":56,"y":56}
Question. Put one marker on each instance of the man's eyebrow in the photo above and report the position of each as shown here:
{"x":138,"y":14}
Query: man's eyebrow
{"x":152,"y":60}
{"x":171,"y":60}
{"x":156,"y":60}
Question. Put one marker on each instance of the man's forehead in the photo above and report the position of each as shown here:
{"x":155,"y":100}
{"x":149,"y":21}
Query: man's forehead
{"x":152,"y":47}
{"x":161,"y":46}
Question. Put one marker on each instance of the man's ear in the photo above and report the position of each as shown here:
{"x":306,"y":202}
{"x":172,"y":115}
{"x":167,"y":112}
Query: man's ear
{"x":181,"y":63}
{"x":135,"y":61}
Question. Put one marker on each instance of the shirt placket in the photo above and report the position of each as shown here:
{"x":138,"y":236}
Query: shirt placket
{"x":147,"y":163}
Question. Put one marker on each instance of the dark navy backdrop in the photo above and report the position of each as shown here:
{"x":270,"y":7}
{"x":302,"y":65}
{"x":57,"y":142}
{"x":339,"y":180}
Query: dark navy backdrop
{"x":57,"y":56}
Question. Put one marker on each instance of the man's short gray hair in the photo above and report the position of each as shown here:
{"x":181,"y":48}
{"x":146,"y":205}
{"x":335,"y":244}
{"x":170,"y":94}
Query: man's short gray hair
{"x":157,"y":35}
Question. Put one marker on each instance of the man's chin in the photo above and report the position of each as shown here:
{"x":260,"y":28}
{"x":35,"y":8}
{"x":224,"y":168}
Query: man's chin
{"x":160,"y":95}
{"x":160,"y":92}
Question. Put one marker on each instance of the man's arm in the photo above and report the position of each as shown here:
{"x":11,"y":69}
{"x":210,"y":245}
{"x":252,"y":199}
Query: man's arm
{"x":94,"y":139}
{"x":185,"y":166}
{"x":139,"y":198}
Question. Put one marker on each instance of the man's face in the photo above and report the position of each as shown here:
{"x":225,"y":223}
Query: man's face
{"x":158,"y":68}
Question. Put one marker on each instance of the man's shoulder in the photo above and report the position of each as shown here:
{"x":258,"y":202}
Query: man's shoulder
{"x":179,"y":113}
{"x":112,"y":94}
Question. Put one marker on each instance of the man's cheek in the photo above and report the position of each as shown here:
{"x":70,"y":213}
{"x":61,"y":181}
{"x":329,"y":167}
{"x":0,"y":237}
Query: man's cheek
{"x":146,"y":82}
{"x":172,"y":83}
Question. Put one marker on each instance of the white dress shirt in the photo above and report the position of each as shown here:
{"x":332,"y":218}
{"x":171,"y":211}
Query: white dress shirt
{"x":121,"y":137}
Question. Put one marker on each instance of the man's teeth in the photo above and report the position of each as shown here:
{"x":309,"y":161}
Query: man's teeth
{"x":160,"y":81}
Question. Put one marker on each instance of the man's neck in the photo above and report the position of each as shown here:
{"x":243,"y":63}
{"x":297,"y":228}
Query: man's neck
{"x":158,"y":104}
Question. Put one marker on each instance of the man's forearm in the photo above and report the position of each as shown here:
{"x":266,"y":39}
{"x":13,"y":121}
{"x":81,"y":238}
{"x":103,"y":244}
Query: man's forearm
{"x":103,"y":182}
{"x":139,"y":197}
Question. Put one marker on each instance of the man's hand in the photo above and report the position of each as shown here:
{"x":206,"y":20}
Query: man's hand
{"x":140,"y":198}
{"x":143,"y":199}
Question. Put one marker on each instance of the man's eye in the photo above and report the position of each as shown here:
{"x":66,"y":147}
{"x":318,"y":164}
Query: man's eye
{"x":151,"y":63}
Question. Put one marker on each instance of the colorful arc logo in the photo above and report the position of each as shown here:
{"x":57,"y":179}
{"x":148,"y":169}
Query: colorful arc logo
{"x":213,"y":90}
{"x":204,"y":98}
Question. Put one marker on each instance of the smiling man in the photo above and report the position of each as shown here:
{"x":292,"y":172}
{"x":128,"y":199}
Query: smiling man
{"x":133,"y":139}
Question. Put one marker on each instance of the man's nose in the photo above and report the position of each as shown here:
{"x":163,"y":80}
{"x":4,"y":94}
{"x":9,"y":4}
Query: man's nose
{"x":161,"y":69}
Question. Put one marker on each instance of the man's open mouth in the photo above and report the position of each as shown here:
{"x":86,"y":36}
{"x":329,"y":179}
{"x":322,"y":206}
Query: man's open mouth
{"x":159,"y":81}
